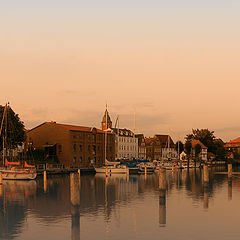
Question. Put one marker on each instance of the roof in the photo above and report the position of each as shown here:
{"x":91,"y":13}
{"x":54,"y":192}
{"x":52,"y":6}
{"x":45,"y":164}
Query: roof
{"x":164,"y":140}
{"x":123,"y":132}
{"x":70,"y":127}
{"x":233,"y":144}
{"x":195,"y":142}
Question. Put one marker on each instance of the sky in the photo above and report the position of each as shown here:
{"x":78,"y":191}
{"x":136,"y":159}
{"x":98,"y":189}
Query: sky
{"x":175,"y":63}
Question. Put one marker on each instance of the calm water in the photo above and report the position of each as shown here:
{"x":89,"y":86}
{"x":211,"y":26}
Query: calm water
{"x":121,"y":208}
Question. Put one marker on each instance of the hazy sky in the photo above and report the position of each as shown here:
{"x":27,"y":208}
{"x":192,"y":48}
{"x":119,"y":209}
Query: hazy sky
{"x":177,"y":63}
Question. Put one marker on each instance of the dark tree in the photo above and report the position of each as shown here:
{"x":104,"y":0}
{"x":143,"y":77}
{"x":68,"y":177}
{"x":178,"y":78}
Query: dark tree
{"x":203,"y":135}
{"x":179,"y":146}
{"x":198,"y":149}
{"x":12,"y":128}
{"x":188,"y":150}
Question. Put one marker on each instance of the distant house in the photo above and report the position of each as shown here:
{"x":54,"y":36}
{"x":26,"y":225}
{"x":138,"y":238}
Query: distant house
{"x":160,"y":147}
{"x":142,"y":152}
{"x":203,"y":154}
{"x":233,"y":146}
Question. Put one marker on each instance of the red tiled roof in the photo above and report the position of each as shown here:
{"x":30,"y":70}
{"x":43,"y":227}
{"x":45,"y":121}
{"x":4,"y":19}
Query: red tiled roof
{"x":234,"y":143}
{"x":195,"y":142}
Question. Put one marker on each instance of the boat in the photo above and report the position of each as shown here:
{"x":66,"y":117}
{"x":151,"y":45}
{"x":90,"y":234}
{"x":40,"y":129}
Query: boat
{"x":13,"y":170}
{"x":146,"y":168}
{"x":111,"y":169}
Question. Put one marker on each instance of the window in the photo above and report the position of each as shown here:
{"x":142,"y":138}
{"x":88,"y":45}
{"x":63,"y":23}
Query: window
{"x":59,"y":148}
{"x":89,"y":148}
{"x":80,"y":148}
{"x":80,"y":159}
{"x":74,"y":147}
{"x":74,"y":159}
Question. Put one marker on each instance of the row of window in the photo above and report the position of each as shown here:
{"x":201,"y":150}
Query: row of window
{"x":127,"y":155}
{"x":127,"y":148}
{"x":90,"y":137}
{"x":90,"y":148}
{"x":127,"y":139}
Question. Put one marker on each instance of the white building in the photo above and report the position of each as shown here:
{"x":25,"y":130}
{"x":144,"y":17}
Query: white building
{"x":126,"y":144}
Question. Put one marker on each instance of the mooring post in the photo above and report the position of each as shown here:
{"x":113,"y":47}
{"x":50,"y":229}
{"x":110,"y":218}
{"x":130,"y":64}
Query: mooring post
{"x":229,"y":189}
{"x":205,"y":174}
{"x":1,"y":179}
{"x":229,"y":170}
{"x":127,"y":174}
{"x":106,"y":171}
{"x":45,"y":180}
{"x":162,"y":196}
{"x":75,"y":203}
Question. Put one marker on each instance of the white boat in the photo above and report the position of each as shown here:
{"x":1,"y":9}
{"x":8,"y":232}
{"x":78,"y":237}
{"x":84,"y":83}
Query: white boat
{"x":111,"y":169}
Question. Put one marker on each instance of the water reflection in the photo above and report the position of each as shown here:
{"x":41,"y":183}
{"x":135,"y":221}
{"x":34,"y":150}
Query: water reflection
{"x":67,"y":199}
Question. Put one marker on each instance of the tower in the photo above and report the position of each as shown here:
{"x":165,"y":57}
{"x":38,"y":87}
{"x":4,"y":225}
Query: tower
{"x":106,"y":121}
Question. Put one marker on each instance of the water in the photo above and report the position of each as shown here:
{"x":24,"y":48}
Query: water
{"x":121,"y":208}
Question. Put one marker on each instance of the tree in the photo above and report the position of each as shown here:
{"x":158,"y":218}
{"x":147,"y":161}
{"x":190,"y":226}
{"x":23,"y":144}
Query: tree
{"x":188,"y":150}
{"x":198,"y":149}
{"x":13,"y":128}
{"x":203,"y":135}
{"x":179,"y":147}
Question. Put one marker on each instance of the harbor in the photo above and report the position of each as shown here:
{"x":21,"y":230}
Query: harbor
{"x":113,"y":207}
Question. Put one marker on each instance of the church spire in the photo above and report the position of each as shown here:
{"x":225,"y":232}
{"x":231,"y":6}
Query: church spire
{"x":106,"y":121}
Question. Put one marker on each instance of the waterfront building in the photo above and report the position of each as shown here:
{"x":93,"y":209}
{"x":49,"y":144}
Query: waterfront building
{"x":142,"y":150}
{"x":204,"y":153}
{"x":126,"y":144}
{"x":72,"y":145}
{"x":233,"y":145}
{"x":160,"y":147}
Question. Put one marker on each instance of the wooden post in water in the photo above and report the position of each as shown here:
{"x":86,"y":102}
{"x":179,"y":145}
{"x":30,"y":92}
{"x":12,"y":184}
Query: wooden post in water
{"x":230,"y":189}
{"x":45,"y":180}
{"x":1,"y":190}
{"x":1,"y":179}
{"x":106,"y":172}
{"x":162,"y":196}
{"x":205,"y":174}
{"x":145,"y":173}
{"x":75,"y":203}
{"x":127,"y":174}
{"x":229,"y":170}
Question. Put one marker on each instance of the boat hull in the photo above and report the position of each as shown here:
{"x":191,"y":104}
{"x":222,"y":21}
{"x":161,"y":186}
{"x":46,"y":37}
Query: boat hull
{"x":110,"y":170}
{"x":18,"y":175}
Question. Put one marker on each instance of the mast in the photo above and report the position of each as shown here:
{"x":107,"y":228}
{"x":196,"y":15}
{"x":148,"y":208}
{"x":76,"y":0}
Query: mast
{"x":4,"y":137}
{"x":105,"y":150}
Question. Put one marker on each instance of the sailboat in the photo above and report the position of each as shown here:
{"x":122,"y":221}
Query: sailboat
{"x":13,"y":170}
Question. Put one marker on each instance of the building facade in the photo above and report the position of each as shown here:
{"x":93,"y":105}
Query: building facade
{"x":72,"y":145}
{"x":142,"y":150}
{"x":126,"y":144}
{"x":160,"y":147}
{"x":203,"y":154}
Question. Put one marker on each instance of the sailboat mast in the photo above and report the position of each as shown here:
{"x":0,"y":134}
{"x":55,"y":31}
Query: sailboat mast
{"x":3,"y":118}
{"x":105,"y":152}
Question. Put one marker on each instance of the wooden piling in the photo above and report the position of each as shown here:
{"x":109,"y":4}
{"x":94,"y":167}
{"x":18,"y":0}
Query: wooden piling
{"x":1,"y":179}
{"x":229,"y":189}
{"x":162,"y":196}
{"x":45,"y":181}
{"x":229,"y":170}
{"x":205,"y":174}
{"x":106,"y":171}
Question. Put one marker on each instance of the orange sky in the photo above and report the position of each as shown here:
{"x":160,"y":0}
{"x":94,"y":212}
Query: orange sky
{"x":177,"y":65}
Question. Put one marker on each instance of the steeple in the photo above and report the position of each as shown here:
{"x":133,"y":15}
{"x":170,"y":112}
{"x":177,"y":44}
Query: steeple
{"x":106,"y":121}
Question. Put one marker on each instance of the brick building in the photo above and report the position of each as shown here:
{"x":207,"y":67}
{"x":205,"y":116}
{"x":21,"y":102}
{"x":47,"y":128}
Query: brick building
{"x":72,"y":145}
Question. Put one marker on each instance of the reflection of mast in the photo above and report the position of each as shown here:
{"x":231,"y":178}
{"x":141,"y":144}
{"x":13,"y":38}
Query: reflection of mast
{"x":162,"y":196}
{"x":75,"y":203}
{"x":230,"y":189}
